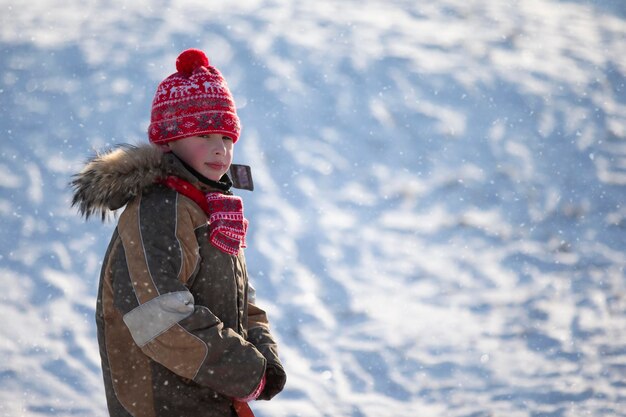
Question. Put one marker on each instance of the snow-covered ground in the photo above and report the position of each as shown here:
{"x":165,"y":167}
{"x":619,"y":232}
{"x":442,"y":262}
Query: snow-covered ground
{"x":439,"y":225}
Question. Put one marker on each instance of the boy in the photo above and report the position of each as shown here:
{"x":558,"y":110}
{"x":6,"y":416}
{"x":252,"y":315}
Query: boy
{"x":179,"y":332}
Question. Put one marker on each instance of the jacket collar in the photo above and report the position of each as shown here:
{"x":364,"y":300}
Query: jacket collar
{"x":111,"y":179}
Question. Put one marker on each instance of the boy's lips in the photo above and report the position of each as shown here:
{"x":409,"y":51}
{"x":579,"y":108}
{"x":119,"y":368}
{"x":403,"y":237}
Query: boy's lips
{"x":216,"y":166}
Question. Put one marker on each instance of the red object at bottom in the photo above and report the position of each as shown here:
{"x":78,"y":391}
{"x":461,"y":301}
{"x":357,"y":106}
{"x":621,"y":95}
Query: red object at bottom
{"x":242,"y":409}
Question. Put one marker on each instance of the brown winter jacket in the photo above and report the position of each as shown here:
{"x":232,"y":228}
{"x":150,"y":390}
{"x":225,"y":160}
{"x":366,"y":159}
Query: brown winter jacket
{"x":178,"y":329}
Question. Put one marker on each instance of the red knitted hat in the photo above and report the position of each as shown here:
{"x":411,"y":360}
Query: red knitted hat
{"x":193,"y":101}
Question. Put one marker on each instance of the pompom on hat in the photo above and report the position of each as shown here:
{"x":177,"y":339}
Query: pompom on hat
{"x":193,"y":101}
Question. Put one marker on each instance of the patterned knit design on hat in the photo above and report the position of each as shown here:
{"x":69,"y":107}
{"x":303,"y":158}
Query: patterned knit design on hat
{"x":193,"y":101}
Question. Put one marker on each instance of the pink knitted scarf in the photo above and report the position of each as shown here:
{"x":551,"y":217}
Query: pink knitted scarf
{"x":227,"y":226}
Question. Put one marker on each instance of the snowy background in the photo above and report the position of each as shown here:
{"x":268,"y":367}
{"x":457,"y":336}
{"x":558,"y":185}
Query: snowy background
{"x":439,"y":225}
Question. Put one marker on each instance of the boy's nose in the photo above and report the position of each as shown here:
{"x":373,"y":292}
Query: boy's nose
{"x":219,"y":150}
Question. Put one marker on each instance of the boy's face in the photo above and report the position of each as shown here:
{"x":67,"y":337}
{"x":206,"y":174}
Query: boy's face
{"x":210,"y":155}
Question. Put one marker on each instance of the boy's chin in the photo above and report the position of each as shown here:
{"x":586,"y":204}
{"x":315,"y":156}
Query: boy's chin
{"x":212,"y":175}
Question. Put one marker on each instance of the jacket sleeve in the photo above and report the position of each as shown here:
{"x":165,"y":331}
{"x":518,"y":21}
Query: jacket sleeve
{"x":161,"y":249}
{"x":259,"y":335}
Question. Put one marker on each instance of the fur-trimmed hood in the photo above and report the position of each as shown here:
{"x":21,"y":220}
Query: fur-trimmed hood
{"x":111,"y":179}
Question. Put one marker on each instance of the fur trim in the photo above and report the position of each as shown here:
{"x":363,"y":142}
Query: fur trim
{"x":111,"y":179}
